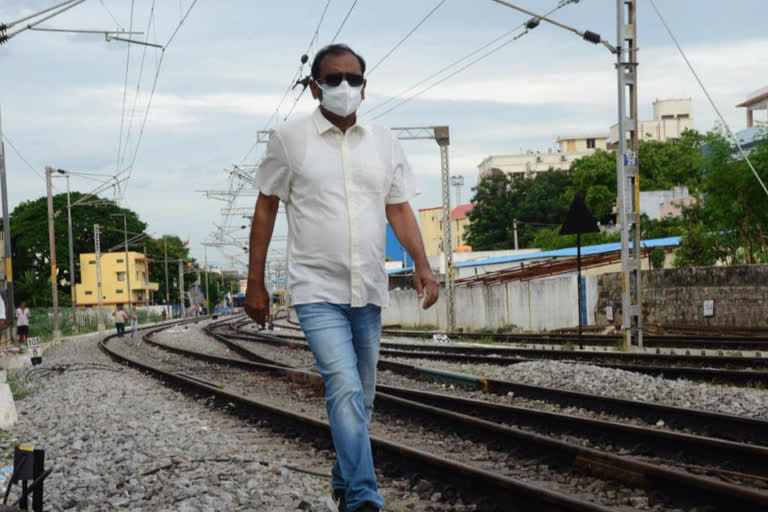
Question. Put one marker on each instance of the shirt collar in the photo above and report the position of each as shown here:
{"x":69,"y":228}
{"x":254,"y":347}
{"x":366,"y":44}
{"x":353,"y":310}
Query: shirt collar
{"x":323,"y":125}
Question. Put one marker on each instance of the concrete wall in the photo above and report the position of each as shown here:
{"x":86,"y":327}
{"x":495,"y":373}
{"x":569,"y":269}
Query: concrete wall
{"x":546,"y":303}
{"x":675,"y":297}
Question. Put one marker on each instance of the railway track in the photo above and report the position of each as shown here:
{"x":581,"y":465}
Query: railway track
{"x":490,"y":422}
{"x":736,"y":370}
{"x":693,"y":339}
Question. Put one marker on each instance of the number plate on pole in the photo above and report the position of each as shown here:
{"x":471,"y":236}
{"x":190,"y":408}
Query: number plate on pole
{"x":35,"y":354}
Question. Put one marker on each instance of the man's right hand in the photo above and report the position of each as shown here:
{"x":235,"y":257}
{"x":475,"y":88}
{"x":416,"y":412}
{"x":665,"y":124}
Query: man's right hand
{"x":256,"y":303}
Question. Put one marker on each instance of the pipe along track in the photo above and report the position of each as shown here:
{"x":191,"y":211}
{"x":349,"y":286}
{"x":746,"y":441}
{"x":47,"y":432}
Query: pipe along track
{"x":681,"y":487}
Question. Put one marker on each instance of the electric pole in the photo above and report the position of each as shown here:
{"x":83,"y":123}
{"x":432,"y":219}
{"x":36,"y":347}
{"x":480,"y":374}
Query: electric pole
{"x":457,"y":182}
{"x":11,"y":314}
{"x":52,"y":247}
{"x":167,"y":294}
{"x":97,"y":247}
{"x":628,"y":175}
{"x":183,"y":309}
{"x":207,"y":297}
{"x":71,"y":259}
{"x":514,"y":228}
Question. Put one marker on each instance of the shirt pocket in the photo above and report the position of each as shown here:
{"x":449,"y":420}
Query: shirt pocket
{"x":370,"y":179}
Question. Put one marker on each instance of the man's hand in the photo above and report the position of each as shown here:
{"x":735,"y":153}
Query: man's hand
{"x":426,"y":286}
{"x":256,"y":303}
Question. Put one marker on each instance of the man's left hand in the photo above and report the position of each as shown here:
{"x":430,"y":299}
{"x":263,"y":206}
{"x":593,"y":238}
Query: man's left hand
{"x":426,"y":286}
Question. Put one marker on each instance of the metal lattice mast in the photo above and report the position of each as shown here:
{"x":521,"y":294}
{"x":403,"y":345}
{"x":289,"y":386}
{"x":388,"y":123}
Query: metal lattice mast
{"x":628,"y":174}
{"x":441,"y":134}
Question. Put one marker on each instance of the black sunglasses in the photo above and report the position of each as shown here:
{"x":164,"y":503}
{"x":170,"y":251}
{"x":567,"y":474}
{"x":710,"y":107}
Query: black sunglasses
{"x":334,"y":79}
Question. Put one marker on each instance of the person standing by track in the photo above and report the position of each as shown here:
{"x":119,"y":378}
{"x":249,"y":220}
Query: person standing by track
{"x":341,"y":181}
{"x":22,"y":322}
{"x":120,"y":317}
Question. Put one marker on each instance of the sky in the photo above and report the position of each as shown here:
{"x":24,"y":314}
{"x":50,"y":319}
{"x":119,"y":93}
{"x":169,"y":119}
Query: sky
{"x":79,"y":102}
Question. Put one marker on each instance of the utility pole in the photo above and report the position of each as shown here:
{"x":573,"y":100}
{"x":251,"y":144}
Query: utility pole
{"x":71,"y":259}
{"x":97,"y":247}
{"x":167,"y":294}
{"x":11,"y":315}
{"x":207,"y":297}
{"x":514,"y":228}
{"x":52,"y":247}
{"x":628,"y":175}
{"x":183,"y":309}
{"x":457,"y":182}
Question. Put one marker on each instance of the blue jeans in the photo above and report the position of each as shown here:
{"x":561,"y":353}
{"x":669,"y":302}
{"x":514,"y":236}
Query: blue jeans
{"x":345,"y":342}
{"x":120,"y":329}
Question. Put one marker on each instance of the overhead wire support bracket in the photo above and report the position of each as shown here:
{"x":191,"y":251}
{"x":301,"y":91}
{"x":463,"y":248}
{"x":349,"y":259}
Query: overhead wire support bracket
{"x":587,"y":35}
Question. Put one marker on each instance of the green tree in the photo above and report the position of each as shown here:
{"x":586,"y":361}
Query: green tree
{"x":535,"y":202}
{"x":729,"y":223}
{"x":156,"y":255}
{"x":664,"y":165}
{"x":594,"y":178}
{"x":29,"y":236}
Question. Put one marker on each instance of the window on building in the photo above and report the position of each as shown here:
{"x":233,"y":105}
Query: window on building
{"x":88,"y":292}
{"x":590,"y":143}
{"x":91,"y":262}
{"x":683,"y":116}
{"x":121,"y":276}
{"x":121,"y":261}
{"x":118,"y":291}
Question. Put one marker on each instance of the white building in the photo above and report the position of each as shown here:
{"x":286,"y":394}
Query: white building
{"x":569,"y":149}
{"x":757,"y":101}
{"x":657,"y":204}
{"x":671,"y":118}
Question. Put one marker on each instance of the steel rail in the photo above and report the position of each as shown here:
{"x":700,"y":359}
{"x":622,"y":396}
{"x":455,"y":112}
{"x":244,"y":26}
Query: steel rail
{"x":701,"y":450}
{"x":684,"y":487}
{"x":706,"y":423}
{"x":635,"y":362}
{"x":464,"y":476}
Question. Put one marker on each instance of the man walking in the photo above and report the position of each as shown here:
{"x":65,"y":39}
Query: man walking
{"x":341,"y":182}
{"x":120,"y":317}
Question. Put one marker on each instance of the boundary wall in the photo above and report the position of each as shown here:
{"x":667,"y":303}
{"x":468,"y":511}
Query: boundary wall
{"x":538,"y":304}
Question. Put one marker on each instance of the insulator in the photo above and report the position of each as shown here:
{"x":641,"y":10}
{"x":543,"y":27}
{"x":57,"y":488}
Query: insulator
{"x":592,"y":37}
{"x":304,"y":58}
{"x":533,"y":23}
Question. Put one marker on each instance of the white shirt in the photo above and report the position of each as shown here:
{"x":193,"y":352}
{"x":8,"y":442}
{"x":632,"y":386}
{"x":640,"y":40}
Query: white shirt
{"x":22,"y":317}
{"x":335,"y":187}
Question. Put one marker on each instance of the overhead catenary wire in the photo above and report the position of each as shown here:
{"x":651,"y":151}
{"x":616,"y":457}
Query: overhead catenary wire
{"x":18,"y":153}
{"x":125,"y":92}
{"x":67,"y":6}
{"x":456,"y":62}
{"x":459,"y":70}
{"x":406,"y":36}
{"x":167,"y":44}
{"x":138,"y":81}
{"x":344,"y":21}
{"x":709,"y":98}
{"x":110,"y":14}
{"x":291,"y":84}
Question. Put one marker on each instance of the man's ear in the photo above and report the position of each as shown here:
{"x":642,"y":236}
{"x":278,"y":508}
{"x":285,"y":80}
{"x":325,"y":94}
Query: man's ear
{"x":317,"y":93}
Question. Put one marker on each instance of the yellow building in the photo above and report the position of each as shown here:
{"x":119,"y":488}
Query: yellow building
{"x":114,"y":287}
{"x":431,"y":225}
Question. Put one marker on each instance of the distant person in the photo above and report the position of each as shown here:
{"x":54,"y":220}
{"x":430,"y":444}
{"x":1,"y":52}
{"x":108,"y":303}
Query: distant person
{"x":120,"y":317}
{"x":165,"y":315}
{"x":22,"y":322}
{"x":3,"y":324}
{"x":341,"y":182}
{"x":134,"y":318}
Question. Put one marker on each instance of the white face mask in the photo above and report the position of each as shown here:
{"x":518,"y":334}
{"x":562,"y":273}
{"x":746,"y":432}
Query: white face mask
{"x":342,"y":100}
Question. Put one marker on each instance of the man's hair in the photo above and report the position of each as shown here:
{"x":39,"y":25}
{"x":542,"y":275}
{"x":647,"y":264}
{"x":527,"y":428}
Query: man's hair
{"x":333,"y":49}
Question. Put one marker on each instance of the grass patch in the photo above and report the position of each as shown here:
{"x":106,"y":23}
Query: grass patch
{"x":619,"y":345}
{"x":569,"y":346}
{"x":18,"y":388}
